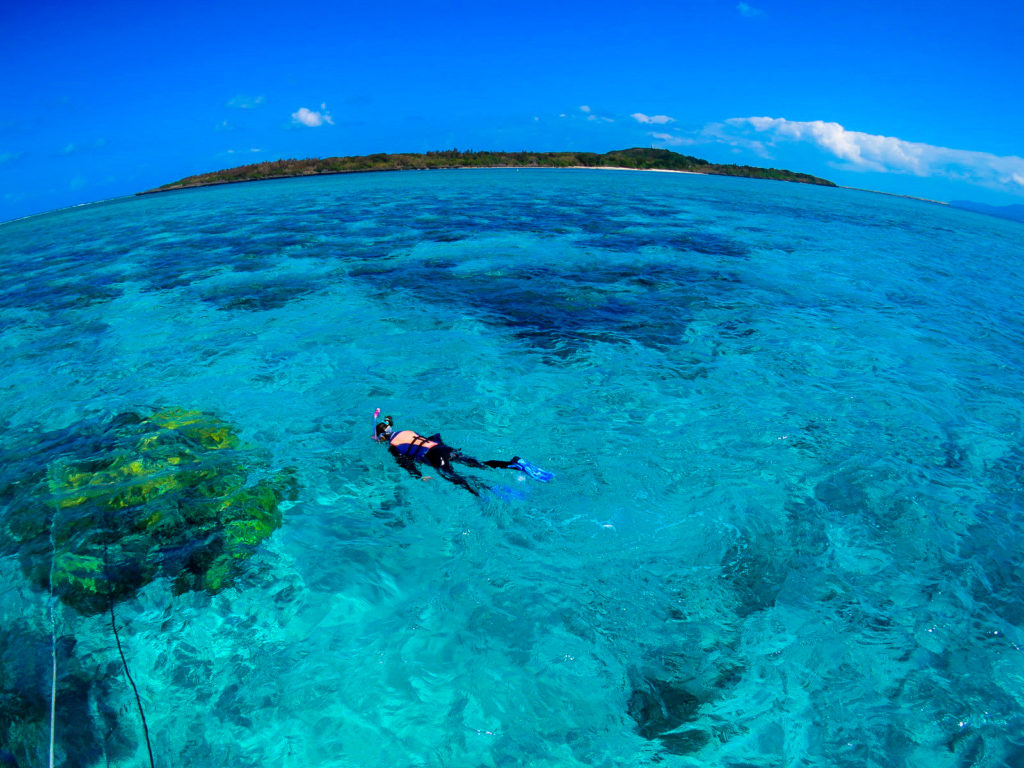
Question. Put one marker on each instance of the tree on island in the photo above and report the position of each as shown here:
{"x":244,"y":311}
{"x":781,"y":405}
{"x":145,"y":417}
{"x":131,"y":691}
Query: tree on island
{"x":637,"y":158}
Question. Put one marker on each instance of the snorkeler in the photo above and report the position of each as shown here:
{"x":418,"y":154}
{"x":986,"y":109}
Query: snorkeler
{"x":408,"y":447}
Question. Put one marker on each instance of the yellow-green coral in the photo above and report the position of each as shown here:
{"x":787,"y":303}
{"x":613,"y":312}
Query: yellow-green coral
{"x":207,"y":430}
{"x":153,"y":494}
{"x":218,"y":575}
{"x":71,"y":571}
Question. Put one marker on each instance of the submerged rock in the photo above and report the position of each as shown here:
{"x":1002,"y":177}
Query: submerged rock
{"x":661,"y":711}
{"x":88,"y":727}
{"x":106,"y":508}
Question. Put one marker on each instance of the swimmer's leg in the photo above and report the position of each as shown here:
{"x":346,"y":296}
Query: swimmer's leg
{"x":469,"y":461}
{"x":495,"y":464}
{"x":440,"y":458}
{"x":458,"y":456}
{"x":473,"y":486}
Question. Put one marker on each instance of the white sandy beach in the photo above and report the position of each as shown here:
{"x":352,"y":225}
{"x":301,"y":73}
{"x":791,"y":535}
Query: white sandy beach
{"x":620,"y":168}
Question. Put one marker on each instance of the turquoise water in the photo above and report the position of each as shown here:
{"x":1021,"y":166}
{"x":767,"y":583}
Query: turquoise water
{"x":785,"y":424}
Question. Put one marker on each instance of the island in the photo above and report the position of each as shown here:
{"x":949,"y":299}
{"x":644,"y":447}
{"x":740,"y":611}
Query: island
{"x":637,"y":158}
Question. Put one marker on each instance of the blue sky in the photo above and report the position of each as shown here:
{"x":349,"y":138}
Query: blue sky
{"x":99,"y":100}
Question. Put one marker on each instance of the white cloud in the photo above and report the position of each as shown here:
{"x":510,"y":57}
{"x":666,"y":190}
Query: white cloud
{"x":640,"y":117}
{"x":313,"y":119}
{"x":242,"y":101}
{"x":721,"y":133}
{"x":749,"y":11}
{"x":595,"y":117}
{"x":72,"y":148}
{"x":713,"y":133}
{"x":886,"y":154}
{"x":589,"y":114}
{"x":672,"y":140}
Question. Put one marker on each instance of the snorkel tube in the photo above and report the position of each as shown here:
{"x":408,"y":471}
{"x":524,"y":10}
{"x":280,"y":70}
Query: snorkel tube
{"x":373,"y":434}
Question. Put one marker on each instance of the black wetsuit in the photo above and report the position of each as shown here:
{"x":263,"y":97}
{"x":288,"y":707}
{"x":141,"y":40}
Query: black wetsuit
{"x":408,"y":448}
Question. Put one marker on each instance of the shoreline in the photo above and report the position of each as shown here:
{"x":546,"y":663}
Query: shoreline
{"x":633,"y":159}
{"x":447,"y":168}
{"x":501,"y":168}
{"x":651,"y":170}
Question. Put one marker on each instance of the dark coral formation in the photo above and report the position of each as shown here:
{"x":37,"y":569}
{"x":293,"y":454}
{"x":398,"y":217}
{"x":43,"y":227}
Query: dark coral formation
{"x":110,"y":507}
{"x":663,"y":711}
{"x":88,"y":725}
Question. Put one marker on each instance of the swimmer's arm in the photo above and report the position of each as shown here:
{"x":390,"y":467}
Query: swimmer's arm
{"x":408,"y":464}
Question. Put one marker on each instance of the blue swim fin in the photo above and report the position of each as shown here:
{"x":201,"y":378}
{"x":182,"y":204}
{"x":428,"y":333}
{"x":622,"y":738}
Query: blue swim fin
{"x":541,"y":475}
{"x":508,"y":494}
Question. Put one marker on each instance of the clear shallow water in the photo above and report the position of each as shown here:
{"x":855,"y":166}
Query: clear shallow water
{"x":785,"y":423}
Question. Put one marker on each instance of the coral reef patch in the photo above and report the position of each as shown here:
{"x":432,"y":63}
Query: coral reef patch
{"x":106,"y":508}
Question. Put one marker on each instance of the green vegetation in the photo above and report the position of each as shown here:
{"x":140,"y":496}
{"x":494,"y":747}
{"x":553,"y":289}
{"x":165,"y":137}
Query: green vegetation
{"x":638,"y":158}
{"x":108,"y":508}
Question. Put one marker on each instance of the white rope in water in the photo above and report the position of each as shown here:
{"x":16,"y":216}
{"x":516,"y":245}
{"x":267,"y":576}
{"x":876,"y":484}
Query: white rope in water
{"x":53,"y":618}
{"x":53,"y":641}
{"x":53,"y":687}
